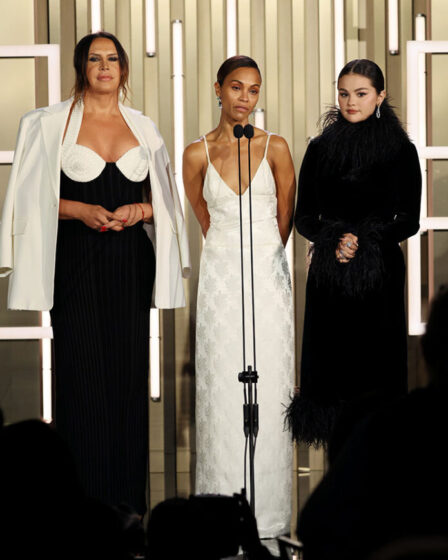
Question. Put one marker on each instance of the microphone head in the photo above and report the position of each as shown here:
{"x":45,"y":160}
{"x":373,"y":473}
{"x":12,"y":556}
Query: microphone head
{"x":248,"y":131}
{"x":238,"y":131}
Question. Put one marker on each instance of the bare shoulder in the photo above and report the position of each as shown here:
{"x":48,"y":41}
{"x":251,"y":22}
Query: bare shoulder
{"x":194,"y":153}
{"x":278,"y":145}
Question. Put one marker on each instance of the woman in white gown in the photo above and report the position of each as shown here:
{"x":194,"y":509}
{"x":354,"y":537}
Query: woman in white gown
{"x":211,"y":184}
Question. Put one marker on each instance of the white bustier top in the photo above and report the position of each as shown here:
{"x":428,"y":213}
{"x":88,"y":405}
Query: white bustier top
{"x":83,"y":164}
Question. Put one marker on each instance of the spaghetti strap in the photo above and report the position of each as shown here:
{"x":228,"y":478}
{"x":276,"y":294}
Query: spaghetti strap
{"x":206,"y":148}
{"x":267,"y":144}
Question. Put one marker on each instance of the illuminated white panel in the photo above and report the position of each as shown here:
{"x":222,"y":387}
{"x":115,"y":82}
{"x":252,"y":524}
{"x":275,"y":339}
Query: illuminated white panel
{"x":416,"y":119}
{"x":339,"y":38}
{"x":154,"y":353}
{"x":231,"y":28}
{"x":95,"y":15}
{"x":259,"y":118}
{"x":150,"y":32}
{"x":178,"y":113}
{"x":43,"y":333}
{"x":393,"y":19}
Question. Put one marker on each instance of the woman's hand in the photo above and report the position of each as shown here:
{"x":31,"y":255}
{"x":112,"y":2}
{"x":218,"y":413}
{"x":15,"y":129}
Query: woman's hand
{"x":92,"y":215}
{"x":348,"y":245}
{"x":130,"y":214}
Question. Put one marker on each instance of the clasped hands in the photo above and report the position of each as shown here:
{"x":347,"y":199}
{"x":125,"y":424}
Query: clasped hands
{"x":348,"y":245}
{"x":97,"y":217}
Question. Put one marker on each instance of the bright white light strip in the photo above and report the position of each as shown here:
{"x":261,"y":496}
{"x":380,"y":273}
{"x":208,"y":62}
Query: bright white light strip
{"x":392,"y":6}
{"x":45,"y":333}
{"x":259,"y":118}
{"x":231,"y":28}
{"x":415,"y":120}
{"x":339,"y":39}
{"x":47,"y":415}
{"x":150,"y":16}
{"x":178,"y":114}
{"x":6,"y":156}
{"x":154,"y":353}
{"x":95,"y":15}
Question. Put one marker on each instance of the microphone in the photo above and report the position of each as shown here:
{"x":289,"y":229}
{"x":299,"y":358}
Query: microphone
{"x":248,"y":131}
{"x":238,"y":131}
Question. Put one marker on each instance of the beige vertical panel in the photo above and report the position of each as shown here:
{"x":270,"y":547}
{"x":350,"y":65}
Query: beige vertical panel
{"x":82,"y":19}
{"x":351,"y":30}
{"x":244,"y":27}
{"x":137,"y":53}
{"x":191,"y":71}
{"x":326,"y":66}
{"x":54,"y":19}
{"x":366,"y":38}
{"x":68,"y":42}
{"x":109,"y":16}
{"x":285,"y":70}
{"x":123,"y":15}
{"x":218,"y":48}
{"x":208,"y":115}
{"x":41,"y":65}
{"x":312,"y":67}
{"x":257,"y":44}
{"x":271,"y":66}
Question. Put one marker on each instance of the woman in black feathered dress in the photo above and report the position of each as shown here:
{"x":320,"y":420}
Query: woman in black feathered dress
{"x":359,"y":197}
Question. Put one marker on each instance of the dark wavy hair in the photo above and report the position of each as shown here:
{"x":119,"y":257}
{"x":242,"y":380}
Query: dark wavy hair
{"x":81,"y":56}
{"x":234,"y":62}
{"x":367,"y":68}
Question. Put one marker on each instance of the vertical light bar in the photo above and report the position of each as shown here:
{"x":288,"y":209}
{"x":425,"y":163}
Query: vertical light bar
{"x":154,"y":354}
{"x":95,"y":15}
{"x":231,"y":28}
{"x":47,"y":414}
{"x":259,"y":118}
{"x":392,"y":20}
{"x":339,"y":39}
{"x":150,"y":22}
{"x":178,"y":113}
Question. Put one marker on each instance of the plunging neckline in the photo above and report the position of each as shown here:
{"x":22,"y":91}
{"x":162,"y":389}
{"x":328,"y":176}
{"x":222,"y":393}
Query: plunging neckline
{"x":102,"y":159}
{"x":210,"y":164}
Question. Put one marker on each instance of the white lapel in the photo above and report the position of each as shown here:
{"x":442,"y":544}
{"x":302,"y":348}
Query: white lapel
{"x":53,"y":121}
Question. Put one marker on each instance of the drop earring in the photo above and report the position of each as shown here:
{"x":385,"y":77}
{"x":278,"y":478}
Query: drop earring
{"x":378,"y":112}
{"x":219,"y":102}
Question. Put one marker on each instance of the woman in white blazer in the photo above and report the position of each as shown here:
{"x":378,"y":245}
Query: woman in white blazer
{"x":90,"y":185}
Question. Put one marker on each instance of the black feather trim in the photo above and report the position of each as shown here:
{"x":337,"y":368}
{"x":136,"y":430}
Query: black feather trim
{"x":363,"y":274}
{"x":309,"y":422}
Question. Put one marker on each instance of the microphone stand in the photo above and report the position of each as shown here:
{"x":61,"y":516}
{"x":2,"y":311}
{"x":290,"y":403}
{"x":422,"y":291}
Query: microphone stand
{"x":249,"y":376}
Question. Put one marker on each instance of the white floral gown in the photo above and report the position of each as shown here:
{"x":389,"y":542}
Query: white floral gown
{"x":219,"y":395}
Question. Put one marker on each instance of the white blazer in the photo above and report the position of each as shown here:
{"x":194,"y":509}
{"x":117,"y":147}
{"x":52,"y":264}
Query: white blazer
{"x":30,"y":217}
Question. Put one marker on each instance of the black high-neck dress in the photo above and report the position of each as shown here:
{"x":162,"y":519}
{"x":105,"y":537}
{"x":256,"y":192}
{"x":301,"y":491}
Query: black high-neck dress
{"x":354,"y":335}
{"x":100,"y":318}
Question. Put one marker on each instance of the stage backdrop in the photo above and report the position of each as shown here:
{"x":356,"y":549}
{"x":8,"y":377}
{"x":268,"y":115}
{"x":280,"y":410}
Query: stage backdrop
{"x":299,"y":46}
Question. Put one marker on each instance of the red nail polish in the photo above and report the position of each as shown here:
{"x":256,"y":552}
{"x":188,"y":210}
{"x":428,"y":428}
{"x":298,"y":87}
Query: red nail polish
{"x":103,"y":228}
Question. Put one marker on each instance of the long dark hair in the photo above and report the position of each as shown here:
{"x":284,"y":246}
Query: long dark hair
{"x":234,"y":62}
{"x":80,"y":63}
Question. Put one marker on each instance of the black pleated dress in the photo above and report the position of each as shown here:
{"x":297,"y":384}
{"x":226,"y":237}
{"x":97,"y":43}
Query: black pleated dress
{"x":100,"y":318}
